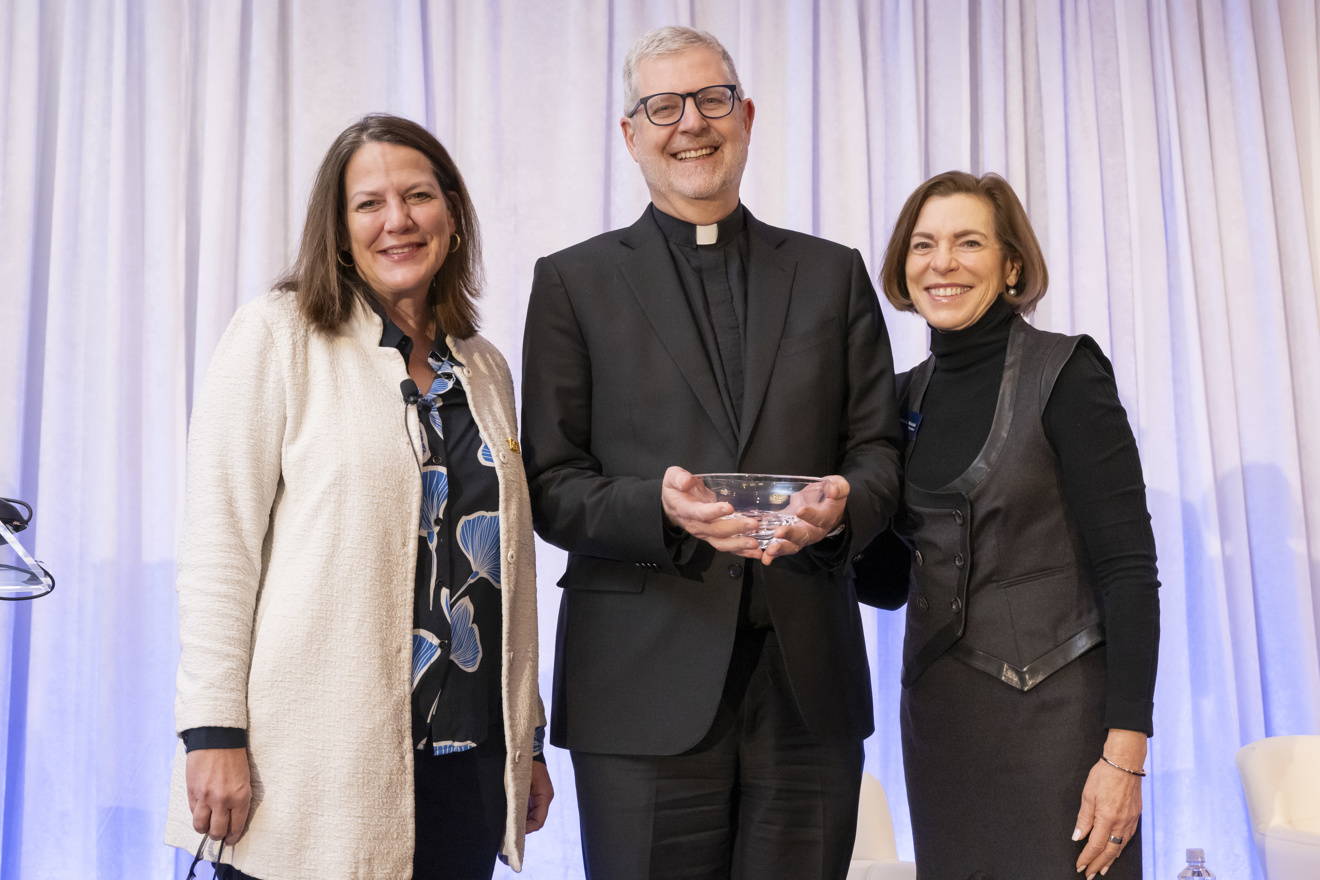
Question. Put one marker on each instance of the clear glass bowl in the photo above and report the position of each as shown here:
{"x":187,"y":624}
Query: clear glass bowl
{"x":772,"y":499}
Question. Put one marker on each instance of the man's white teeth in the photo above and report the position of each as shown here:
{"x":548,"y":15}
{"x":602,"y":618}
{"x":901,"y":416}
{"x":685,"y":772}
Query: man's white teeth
{"x":693,"y":154}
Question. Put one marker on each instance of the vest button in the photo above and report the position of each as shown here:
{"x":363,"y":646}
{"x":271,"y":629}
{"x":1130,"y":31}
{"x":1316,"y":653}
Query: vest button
{"x":922,"y":604}
{"x":958,"y":517}
{"x":919,"y":559}
{"x":956,"y":605}
{"x":958,"y":560}
{"x":735,"y":570}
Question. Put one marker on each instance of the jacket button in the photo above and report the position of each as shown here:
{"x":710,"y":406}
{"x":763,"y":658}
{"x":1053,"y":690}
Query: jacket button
{"x":955,"y":605}
{"x":920,"y":561}
{"x":958,"y":560}
{"x":922,"y":604}
{"x":958,"y":517}
{"x":735,"y":570}
{"x":511,"y":556}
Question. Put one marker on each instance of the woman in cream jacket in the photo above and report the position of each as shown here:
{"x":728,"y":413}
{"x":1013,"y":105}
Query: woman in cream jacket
{"x":357,"y":690}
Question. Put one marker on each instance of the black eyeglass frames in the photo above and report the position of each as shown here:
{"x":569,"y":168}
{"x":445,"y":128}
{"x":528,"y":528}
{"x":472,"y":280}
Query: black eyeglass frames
{"x":201,"y":848}
{"x":666,"y":108}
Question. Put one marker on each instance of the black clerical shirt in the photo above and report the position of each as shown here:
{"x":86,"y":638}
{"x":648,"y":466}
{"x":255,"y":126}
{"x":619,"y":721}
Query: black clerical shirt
{"x":714,"y":279}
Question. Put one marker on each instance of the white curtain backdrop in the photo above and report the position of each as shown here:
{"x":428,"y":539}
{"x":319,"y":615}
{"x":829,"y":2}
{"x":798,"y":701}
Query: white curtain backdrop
{"x":155,"y":158}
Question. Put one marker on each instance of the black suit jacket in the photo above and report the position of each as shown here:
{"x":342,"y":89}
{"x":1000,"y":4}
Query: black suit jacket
{"x":616,"y":388}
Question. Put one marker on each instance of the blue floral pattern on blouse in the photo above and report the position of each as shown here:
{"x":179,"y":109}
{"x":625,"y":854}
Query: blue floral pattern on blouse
{"x":456,"y":697}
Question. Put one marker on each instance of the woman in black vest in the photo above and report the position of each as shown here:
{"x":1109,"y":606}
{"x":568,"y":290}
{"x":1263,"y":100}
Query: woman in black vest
{"x":1026,"y":560}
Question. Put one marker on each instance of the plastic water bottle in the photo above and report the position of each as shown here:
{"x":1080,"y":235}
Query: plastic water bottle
{"x":1195,"y":866}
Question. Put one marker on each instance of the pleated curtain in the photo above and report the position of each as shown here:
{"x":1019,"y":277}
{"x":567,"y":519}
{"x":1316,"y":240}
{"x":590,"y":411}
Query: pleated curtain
{"x":155,"y":161}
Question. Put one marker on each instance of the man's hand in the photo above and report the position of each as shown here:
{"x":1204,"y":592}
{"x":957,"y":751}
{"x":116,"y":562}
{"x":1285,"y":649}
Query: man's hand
{"x":219,"y":792}
{"x":692,"y":507}
{"x":818,"y":514}
{"x":538,"y":800}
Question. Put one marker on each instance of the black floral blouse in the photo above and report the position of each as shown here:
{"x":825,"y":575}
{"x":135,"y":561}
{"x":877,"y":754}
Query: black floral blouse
{"x":457,"y":623}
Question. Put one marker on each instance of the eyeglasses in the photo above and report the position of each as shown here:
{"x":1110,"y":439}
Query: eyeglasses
{"x":666,"y":108}
{"x":21,"y":576}
{"x":201,"y":848}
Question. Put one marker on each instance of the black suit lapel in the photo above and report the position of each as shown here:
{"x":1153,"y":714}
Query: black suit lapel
{"x":650,"y":272}
{"x":769,"y":289}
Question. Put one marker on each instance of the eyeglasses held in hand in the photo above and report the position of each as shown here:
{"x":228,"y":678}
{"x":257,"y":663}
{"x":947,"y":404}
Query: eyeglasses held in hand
{"x":201,"y":848}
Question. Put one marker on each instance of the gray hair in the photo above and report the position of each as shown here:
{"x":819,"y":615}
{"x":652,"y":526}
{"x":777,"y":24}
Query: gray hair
{"x":668,"y":41}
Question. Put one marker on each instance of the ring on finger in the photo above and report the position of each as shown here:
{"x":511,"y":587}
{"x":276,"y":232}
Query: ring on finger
{"x":1117,"y":840}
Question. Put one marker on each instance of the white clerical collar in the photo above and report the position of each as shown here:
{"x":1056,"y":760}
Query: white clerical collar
{"x":685,"y":234}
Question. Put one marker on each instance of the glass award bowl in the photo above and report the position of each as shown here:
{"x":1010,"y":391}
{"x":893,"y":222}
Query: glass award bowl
{"x":772,"y":499}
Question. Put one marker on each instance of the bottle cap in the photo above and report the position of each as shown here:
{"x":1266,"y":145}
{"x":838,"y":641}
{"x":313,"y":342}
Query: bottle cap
{"x":1196,"y":855}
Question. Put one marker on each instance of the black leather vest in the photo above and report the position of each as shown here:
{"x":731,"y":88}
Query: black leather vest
{"x":999,"y":574}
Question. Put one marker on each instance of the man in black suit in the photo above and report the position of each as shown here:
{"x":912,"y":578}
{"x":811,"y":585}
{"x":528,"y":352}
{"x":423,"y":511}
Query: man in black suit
{"x":714,"y":696}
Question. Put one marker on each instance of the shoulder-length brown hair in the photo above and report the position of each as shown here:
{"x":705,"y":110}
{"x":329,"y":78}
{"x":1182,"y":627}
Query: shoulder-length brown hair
{"x":326,"y":288}
{"x":1012,"y":229}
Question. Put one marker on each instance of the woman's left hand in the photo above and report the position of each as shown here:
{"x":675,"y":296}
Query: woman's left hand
{"x":1111,"y":802}
{"x":538,"y":800}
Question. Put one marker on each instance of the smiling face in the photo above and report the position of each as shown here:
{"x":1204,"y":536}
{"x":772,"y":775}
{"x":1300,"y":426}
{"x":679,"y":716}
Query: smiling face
{"x":955,"y":266}
{"x":693,"y":168}
{"x":399,"y":224}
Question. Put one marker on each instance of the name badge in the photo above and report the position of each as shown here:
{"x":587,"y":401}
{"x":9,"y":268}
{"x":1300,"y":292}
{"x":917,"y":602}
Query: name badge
{"x":911,"y":421}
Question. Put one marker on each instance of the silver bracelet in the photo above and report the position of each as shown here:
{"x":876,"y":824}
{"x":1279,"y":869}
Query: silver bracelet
{"x":1124,"y":769}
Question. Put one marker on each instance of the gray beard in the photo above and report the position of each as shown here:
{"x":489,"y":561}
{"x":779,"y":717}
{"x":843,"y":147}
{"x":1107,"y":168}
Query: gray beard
{"x":657,"y":172}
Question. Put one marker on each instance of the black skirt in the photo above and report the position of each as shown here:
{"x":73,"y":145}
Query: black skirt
{"x":995,"y":775}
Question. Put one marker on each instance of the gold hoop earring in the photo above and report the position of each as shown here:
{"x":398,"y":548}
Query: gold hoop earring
{"x":339,"y":255}
{"x":458,"y":240}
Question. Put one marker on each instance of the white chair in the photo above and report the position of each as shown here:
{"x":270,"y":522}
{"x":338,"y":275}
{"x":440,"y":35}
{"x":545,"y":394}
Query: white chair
{"x":1281,"y":778}
{"x":874,"y":854}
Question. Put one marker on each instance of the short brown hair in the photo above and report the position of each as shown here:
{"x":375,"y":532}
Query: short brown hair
{"x":1012,"y":229}
{"x":327,"y":288}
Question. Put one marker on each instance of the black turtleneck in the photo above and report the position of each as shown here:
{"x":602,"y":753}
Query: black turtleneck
{"x":1102,"y":484}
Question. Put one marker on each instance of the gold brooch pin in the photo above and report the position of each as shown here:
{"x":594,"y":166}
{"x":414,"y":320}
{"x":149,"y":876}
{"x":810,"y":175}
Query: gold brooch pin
{"x":513,"y":446}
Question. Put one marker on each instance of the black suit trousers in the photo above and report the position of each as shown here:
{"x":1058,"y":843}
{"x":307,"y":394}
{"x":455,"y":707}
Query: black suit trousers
{"x":758,"y":797}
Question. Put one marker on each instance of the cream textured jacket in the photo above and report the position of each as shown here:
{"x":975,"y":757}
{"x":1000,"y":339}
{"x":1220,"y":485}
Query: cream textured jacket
{"x":296,"y":590}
